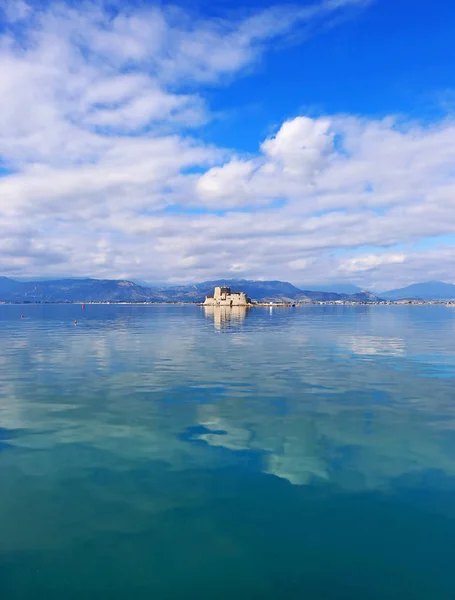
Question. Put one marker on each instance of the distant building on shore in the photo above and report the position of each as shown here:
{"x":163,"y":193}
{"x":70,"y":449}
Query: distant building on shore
{"x":222,"y":296}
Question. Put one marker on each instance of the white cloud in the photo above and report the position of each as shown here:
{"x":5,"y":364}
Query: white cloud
{"x":94,"y":117}
{"x":229,"y":182}
{"x":370,"y":261}
{"x":290,"y":162}
{"x":14,"y":10}
{"x":300,"y":145}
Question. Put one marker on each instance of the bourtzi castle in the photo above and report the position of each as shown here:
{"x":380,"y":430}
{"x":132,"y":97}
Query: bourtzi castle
{"x":222,"y":296}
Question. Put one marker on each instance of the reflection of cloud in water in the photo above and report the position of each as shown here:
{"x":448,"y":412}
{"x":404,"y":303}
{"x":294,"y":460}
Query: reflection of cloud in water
{"x":295,"y":467}
{"x":370,"y":345}
{"x":286,"y":457}
{"x":128,"y":392}
{"x":232,"y":437}
{"x":225,"y":317}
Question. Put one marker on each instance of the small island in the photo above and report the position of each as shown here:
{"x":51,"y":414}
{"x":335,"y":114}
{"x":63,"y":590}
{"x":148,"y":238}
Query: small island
{"x":222,"y":296}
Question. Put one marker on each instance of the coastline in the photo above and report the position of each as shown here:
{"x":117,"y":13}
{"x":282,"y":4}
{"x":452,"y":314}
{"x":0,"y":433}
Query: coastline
{"x":449,"y":303}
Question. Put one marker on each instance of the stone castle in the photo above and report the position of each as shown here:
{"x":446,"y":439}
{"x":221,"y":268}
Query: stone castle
{"x":222,"y":296}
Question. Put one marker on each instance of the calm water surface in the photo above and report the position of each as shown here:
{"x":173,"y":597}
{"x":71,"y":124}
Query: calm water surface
{"x":165,"y":452}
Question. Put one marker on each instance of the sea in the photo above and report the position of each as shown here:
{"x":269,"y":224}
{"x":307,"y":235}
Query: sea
{"x":171,"y":452}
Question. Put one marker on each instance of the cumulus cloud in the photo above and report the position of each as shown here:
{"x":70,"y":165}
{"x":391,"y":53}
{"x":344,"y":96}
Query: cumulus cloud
{"x":103,"y":171}
{"x":289,"y":164}
{"x":370,"y":261}
{"x":299,"y":146}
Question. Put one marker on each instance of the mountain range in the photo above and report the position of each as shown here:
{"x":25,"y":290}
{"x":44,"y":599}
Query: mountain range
{"x":430,"y":290}
{"x":110,"y":290}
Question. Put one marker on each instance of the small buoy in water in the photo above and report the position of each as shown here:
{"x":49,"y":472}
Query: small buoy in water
{"x":75,"y":322}
{"x":83,"y":306}
{"x":22,"y":316}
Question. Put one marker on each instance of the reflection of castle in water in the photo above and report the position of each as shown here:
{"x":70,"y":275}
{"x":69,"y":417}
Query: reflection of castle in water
{"x":225,"y":317}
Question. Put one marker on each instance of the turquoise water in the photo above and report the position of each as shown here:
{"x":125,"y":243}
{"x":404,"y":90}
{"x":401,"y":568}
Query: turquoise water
{"x":167,"y":452}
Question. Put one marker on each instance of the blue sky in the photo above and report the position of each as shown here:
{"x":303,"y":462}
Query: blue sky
{"x":391,"y":58}
{"x":309,"y":141}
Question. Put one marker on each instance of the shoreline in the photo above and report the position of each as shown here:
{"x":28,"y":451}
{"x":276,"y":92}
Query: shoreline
{"x":450,"y":303}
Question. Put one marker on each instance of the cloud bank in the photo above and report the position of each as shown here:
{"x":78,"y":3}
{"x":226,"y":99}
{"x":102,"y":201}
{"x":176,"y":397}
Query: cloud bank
{"x":104,"y":171}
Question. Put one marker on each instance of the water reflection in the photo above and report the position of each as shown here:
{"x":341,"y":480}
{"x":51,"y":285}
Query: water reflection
{"x":226,"y":317}
{"x":283,"y":389}
{"x":141,"y":434}
{"x":371,"y":345}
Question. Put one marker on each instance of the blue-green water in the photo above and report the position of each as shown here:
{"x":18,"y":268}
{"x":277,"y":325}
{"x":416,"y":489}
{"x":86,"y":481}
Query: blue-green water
{"x":164,"y":452}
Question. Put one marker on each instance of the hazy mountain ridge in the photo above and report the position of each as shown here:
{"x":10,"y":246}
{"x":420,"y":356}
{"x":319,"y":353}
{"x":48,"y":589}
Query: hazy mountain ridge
{"x":108,"y":290}
{"x":73,"y":290}
{"x":337,"y":288}
{"x":429,"y":290}
{"x":111,"y":290}
{"x":261,"y":291}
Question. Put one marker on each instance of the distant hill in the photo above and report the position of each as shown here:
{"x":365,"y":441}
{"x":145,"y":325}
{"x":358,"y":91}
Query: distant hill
{"x":108,"y":290}
{"x":430,"y":290}
{"x":72,"y":290}
{"x":256,"y":290}
{"x":10,"y":286}
{"x":337,"y":288}
{"x":261,"y":291}
{"x":363,"y":296}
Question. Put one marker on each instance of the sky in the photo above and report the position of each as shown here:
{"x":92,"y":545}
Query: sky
{"x":196,"y":140}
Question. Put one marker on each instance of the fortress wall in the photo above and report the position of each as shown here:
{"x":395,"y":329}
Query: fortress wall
{"x":236,"y":299}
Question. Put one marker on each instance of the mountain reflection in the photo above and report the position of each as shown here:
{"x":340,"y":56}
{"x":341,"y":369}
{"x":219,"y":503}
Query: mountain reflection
{"x":226,"y":317}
